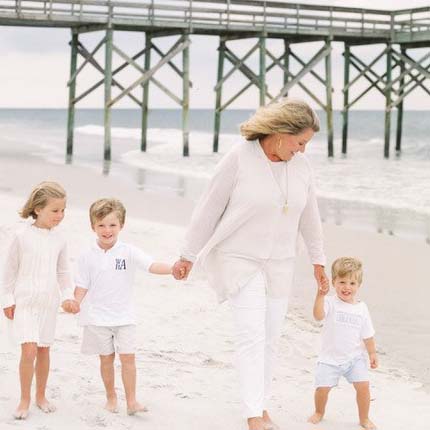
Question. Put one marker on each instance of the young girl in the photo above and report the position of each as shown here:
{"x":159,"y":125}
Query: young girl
{"x":36,"y":269}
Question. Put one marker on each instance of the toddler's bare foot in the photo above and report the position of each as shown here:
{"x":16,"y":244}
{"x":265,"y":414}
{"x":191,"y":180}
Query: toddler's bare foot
{"x":135,"y":408}
{"x":21,"y":412}
{"x":367,"y":424}
{"x":45,"y":406}
{"x":112,"y":405}
{"x":315,"y":418}
{"x":268,"y":423}
{"x":255,"y":423}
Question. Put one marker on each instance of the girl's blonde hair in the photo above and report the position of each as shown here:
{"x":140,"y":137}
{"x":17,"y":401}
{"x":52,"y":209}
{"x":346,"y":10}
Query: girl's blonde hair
{"x":285,"y":116}
{"x":40,"y":196}
{"x":347,"y":266}
{"x":103,"y":207}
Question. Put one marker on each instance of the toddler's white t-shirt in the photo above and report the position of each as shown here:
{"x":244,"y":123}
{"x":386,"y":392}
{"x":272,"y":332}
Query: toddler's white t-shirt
{"x":345,"y":327}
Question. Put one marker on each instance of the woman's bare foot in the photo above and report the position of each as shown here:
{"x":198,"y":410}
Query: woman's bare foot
{"x":21,"y":412}
{"x":135,"y":408}
{"x":112,"y":405}
{"x":255,"y":423}
{"x":268,"y":423}
{"x":315,"y":418}
{"x":367,"y":424}
{"x":45,"y":406}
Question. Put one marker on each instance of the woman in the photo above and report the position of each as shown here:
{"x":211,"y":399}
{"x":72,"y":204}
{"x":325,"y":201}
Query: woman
{"x":244,"y":231}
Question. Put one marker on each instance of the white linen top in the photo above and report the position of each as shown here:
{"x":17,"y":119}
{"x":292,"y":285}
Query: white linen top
{"x":345,"y":327}
{"x":36,"y":276}
{"x":239,"y":226}
{"x":108,"y":276}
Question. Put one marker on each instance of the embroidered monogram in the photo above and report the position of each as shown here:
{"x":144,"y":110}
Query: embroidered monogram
{"x":120,"y":264}
{"x":349,"y":319}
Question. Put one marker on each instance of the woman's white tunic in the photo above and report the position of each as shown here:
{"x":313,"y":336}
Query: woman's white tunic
{"x":239,"y":226}
{"x":35,"y":276}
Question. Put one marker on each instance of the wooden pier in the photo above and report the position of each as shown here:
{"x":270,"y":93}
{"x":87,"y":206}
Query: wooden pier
{"x":258,"y":22}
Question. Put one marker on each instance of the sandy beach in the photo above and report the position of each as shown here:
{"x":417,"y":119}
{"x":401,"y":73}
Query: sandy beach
{"x":185,"y":372}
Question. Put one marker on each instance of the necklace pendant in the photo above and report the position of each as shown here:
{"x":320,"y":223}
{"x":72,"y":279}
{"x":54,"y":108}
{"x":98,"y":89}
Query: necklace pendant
{"x":285,"y":208}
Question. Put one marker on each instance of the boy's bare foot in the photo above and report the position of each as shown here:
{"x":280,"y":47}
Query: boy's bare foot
{"x":136,"y":408}
{"x":45,"y":406}
{"x":315,"y":418}
{"x":367,"y":424}
{"x":112,"y":405}
{"x":21,"y":412}
{"x":268,"y":423}
{"x":255,"y":423}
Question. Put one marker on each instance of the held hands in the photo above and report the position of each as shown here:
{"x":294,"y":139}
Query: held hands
{"x":71,"y":306}
{"x":9,"y":312}
{"x":322,"y":280}
{"x":374,"y":362}
{"x":181,"y":269}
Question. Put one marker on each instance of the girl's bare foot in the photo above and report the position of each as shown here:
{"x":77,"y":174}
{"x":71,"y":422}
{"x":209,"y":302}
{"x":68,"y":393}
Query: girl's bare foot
{"x":315,"y":418}
{"x":255,"y":423}
{"x":268,"y":423}
{"x":135,"y":408}
{"x":45,"y":406}
{"x":112,"y":405}
{"x":21,"y":412}
{"x":367,"y":424}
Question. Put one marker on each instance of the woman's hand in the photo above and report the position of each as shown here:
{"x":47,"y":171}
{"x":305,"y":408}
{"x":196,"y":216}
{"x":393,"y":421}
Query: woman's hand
{"x":181,"y":269}
{"x":9,"y":312}
{"x":321,"y":278}
{"x":71,"y":306}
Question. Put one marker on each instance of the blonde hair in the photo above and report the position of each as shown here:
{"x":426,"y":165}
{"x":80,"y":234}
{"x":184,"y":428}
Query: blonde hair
{"x":103,"y":207}
{"x":40,"y":196}
{"x":347,"y":266}
{"x":285,"y":116}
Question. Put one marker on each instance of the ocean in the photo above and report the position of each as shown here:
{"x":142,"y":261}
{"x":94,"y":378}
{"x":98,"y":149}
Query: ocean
{"x":363,"y":190}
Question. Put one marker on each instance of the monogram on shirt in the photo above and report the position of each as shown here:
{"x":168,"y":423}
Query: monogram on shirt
{"x":120,"y":264}
{"x":348,"y":319}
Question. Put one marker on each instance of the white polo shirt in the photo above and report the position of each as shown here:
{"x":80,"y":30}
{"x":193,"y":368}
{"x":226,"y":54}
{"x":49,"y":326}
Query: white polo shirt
{"x":108,"y":276}
{"x":345,"y":327}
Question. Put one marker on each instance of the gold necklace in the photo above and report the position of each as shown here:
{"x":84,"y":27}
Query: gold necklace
{"x":284,"y":195}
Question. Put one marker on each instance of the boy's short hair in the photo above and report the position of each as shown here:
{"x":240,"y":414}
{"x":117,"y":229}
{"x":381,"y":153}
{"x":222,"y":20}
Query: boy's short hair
{"x":347,"y":266}
{"x":103,"y":207}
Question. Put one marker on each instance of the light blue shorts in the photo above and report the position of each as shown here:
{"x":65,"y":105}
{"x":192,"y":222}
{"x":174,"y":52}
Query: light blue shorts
{"x":328,"y":375}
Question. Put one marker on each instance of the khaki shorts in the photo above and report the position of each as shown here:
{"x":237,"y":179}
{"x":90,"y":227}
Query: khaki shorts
{"x":107,"y":340}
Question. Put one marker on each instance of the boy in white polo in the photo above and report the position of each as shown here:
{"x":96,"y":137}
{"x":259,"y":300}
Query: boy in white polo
{"x":347,"y":334}
{"x":104,"y":290}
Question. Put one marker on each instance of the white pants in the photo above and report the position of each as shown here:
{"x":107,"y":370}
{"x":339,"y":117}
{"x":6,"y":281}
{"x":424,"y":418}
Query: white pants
{"x":258,"y":321}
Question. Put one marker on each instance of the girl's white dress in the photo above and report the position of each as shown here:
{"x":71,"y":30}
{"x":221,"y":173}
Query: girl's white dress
{"x":36,"y":276}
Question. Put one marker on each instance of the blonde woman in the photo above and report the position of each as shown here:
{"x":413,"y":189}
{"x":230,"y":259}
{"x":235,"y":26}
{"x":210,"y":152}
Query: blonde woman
{"x":36,"y":276}
{"x":243,"y":234}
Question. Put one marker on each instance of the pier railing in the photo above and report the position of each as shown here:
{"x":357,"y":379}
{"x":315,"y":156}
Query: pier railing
{"x":222,"y":15}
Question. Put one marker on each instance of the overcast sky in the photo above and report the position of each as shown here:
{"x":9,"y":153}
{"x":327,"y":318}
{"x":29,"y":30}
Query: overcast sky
{"x":35,"y":67}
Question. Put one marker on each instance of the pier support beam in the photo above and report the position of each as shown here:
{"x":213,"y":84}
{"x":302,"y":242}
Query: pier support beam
{"x":400,"y":105}
{"x":262,"y":73}
{"x":72,"y":95}
{"x":218,"y":96}
{"x":329,"y":103}
{"x":145,"y":100}
{"x":345,"y":99}
{"x":388,"y":103}
{"x":185,"y":96}
{"x":108,"y":95}
{"x":286,"y":62}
